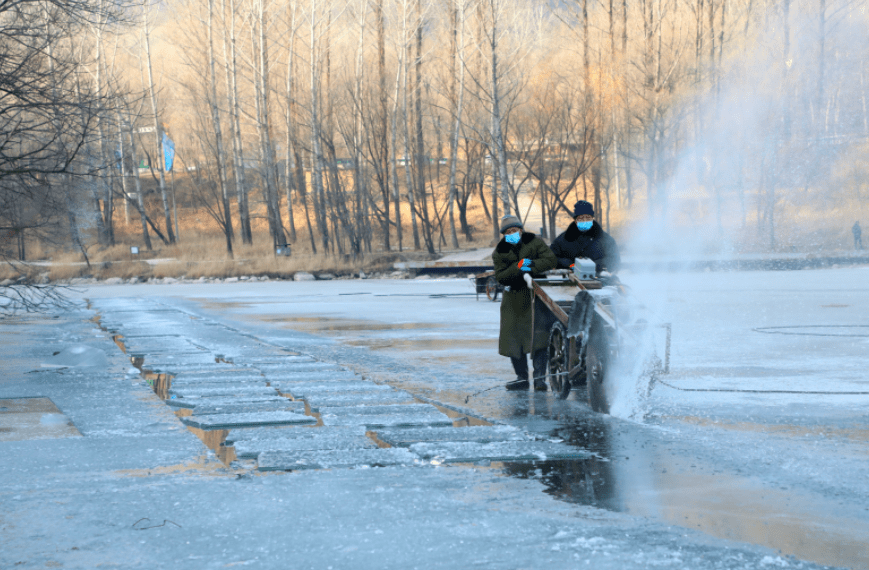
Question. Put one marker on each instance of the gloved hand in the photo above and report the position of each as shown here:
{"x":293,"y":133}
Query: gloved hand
{"x":523,"y":263}
{"x":526,"y":267}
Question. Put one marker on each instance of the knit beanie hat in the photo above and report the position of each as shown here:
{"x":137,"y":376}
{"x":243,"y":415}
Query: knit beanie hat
{"x":583,"y":208}
{"x":508,"y":222}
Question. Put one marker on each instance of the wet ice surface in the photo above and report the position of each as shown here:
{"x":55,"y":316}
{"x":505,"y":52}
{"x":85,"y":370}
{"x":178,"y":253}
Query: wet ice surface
{"x":446,"y":348}
{"x":784,"y":470}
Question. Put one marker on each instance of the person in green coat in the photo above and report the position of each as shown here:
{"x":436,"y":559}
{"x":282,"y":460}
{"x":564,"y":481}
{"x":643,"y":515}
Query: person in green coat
{"x":517,"y":254}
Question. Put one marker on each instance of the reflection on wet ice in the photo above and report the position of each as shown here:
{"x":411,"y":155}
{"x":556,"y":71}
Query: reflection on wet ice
{"x":642,"y":479}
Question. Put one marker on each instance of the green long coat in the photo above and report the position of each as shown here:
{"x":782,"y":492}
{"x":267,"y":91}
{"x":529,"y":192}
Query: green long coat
{"x":515,"y":338}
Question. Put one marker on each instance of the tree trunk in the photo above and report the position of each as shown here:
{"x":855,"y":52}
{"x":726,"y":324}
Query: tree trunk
{"x":457,"y":92}
{"x":381,"y":153}
{"x":108,"y":236}
{"x":140,"y":200}
{"x":393,"y":167}
{"x":496,"y":219}
{"x":218,"y":132}
{"x":158,"y":131}
{"x":264,"y":124}
{"x":418,"y":135}
{"x":497,"y":131}
{"x":317,"y":169}
{"x":291,"y":129}
{"x":407,"y":153}
{"x":235,"y":128}
{"x":360,"y":188}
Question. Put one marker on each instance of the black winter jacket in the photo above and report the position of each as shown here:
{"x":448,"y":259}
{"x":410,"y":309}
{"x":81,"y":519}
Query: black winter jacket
{"x":594,"y":244}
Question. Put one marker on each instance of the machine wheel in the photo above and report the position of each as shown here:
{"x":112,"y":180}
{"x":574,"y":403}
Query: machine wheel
{"x":558,"y":365}
{"x":597,"y":369}
{"x":492,"y":289}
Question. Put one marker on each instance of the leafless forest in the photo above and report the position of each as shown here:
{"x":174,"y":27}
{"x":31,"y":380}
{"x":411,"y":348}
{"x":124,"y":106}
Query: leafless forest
{"x":350,"y":127}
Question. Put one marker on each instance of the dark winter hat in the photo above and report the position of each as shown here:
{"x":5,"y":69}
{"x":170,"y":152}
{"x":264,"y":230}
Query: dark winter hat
{"x":583,"y":208}
{"x":508,"y":222}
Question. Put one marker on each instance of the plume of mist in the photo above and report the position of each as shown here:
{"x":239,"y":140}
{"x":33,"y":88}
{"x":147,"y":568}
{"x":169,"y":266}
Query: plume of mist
{"x":767,"y":162}
{"x":768,"y":165}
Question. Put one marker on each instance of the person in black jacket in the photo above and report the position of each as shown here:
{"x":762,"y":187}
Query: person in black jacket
{"x":585,"y":238}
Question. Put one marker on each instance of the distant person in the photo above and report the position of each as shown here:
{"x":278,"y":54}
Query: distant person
{"x":585,"y":238}
{"x":517,"y":254}
{"x":858,"y":235}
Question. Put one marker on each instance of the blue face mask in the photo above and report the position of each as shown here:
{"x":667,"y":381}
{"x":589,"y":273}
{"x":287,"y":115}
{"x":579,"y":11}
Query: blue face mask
{"x":584,"y":226}
{"x":513,"y":238}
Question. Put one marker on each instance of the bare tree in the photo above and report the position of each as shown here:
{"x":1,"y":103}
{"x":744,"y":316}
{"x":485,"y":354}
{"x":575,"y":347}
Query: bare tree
{"x":49,"y":115}
{"x":231,"y":69}
{"x":457,"y":96}
{"x":158,"y":127}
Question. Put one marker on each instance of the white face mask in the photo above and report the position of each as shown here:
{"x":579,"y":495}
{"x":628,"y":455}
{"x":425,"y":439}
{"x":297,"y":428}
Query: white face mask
{"x":513,"y":238}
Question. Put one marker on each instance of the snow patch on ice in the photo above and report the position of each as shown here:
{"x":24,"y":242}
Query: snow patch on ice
{"x":53,"y":420}
{"x":594,"y":543}
{"x":776,"y":561}
{"x":77,"y":355}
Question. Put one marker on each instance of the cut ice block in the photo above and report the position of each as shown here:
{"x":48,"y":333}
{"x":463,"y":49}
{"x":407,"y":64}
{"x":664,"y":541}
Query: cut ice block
{"x":459,"y":452}
{"x":292,"y":460}
{"x":370,"y":397}
{"x":252,"y":434}
{"x":399,"y":409}
{"x":248,"y":449}
{"x":371,"y":421}
{"x":212,"y":390}
{"x":283,"y":405}
{"x":230,"y":421}
{"x":405,"y":437}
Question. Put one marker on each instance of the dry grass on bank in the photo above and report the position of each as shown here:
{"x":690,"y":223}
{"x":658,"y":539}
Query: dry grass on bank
{"x":206,"y":257}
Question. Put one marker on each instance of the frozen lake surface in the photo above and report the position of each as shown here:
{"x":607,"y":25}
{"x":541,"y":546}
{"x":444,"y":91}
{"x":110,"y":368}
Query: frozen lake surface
{"x":757,"y":435}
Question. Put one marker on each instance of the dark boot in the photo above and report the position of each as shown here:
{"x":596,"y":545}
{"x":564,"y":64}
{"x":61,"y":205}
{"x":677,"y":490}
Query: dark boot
{"x":520,"y":366}
{"x":518,"y":384}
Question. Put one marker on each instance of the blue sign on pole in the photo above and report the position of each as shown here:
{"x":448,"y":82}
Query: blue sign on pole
{"x":168,"y":152}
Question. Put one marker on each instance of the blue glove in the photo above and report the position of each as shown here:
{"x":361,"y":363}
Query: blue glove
{"x":526,"y":262}
{"x":526,"y":265}
{"x":526,"y":269}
